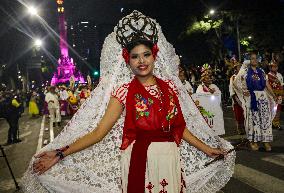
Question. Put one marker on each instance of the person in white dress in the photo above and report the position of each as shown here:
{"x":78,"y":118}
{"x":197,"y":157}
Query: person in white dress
{"x":258,"y":102}
{"x":52,"y":100}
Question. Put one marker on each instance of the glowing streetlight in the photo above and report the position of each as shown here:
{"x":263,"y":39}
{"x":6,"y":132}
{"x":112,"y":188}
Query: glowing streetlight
{"x":38,"y":43}
{"x":32,"y":10}
{"x":212,"y":12}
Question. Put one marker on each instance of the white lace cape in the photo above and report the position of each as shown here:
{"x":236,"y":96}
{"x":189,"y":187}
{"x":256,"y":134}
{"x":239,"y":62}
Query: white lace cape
{"x":97,"y":169}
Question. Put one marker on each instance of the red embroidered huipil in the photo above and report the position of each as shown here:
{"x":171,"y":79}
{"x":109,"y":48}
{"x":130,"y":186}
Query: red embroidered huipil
{"x":149,"y":119}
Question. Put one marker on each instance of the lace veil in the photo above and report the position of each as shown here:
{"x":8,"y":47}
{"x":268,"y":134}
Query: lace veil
{"x":97,"y":169}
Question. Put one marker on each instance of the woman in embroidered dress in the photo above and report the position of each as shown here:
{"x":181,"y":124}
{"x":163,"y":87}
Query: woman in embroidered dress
{"x":206,"y":85}
{"x":152,"y":158}
{"x":258,"y":102}
{"x":236,"y":103}
{"x":275,"y":80}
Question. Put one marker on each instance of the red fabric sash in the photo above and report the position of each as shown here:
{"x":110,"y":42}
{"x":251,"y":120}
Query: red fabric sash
{"x":137,"y":169}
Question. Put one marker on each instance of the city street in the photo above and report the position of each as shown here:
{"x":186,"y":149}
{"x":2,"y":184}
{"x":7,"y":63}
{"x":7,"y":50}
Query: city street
{"x":255,"y":172}
{"x":57,"y":54}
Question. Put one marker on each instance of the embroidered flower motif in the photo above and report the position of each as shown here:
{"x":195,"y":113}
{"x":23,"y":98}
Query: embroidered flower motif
{"x":142,"y":106}
{"x":172,"y":109}
{"x":150,"y":186}
{"x":255,"y":77}
{"x":164,"y":183}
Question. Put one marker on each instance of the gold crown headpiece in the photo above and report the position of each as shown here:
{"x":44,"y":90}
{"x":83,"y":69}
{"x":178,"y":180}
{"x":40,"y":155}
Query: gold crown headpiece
{"x":136,"y":26}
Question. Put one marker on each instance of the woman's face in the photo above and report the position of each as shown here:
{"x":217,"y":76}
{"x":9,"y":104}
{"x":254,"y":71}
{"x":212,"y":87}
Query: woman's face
{"x":207,"y":81}
{"x":274,"y":68}
{"x":141,"y":61}
{"x":253,"y":60}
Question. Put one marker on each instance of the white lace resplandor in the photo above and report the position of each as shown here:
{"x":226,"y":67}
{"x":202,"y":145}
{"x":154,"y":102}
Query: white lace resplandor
{"x":97,"y":168}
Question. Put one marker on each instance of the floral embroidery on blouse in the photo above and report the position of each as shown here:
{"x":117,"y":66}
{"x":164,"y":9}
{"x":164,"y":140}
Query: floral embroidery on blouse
{"x":255,"y":77}
{"x":142,"y":106}
{"x":173,"y":109}
{"x":120,"y":92}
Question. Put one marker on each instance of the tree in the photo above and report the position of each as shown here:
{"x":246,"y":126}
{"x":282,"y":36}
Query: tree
{"x":260,"y":24}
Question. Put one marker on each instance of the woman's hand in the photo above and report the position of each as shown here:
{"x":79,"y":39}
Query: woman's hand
{"x":45,"y":161}
{"x":214,"y":152}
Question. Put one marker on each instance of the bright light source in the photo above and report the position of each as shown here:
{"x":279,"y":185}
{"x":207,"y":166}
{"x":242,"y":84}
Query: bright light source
{"x":19,"y":77}
{"x":121,"y":10}
{"x":275,"y":108}
{"x":19,"y":72}
{"x":96,"y":73}
{"x":84,"y":22}
{"x":180,"y":56}
{"x":32,"y":10}
{"x":38,"y":43}
{"x":212,"y":12}
{"x":249,"y":37}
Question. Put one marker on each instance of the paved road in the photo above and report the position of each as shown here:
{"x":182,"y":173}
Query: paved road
{"x":255,"y":172}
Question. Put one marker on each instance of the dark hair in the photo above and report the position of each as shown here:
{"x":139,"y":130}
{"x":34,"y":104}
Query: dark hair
{"x":253,"y":53}
{"x":134,"y":43}
{"x":184,"y":70}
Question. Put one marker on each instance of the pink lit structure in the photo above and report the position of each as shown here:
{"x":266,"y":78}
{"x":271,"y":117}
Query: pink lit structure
{"x":66,"y":67}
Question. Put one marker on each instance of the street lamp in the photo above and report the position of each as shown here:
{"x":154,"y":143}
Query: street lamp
{"x":212,"y":12}
{"x":38,"y":43}
{"x":32,"y":10}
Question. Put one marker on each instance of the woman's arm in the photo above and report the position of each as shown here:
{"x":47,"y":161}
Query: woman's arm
{"x":48,"y":159}
{"x":191,"y":139}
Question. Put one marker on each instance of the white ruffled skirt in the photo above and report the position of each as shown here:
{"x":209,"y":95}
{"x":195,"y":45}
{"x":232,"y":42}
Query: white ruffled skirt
{"x":163,"y":168}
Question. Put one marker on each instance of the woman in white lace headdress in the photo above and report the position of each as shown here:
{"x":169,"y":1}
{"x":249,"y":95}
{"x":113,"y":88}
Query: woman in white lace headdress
{"x":258,"y":102}
{"x":136,"y":123}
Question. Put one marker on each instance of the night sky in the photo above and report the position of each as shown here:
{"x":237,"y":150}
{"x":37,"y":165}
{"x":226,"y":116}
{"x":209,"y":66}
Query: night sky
{"x":173,"y":15}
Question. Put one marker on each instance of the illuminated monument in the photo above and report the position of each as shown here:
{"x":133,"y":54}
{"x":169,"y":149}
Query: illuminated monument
{"x":66,"y":67}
